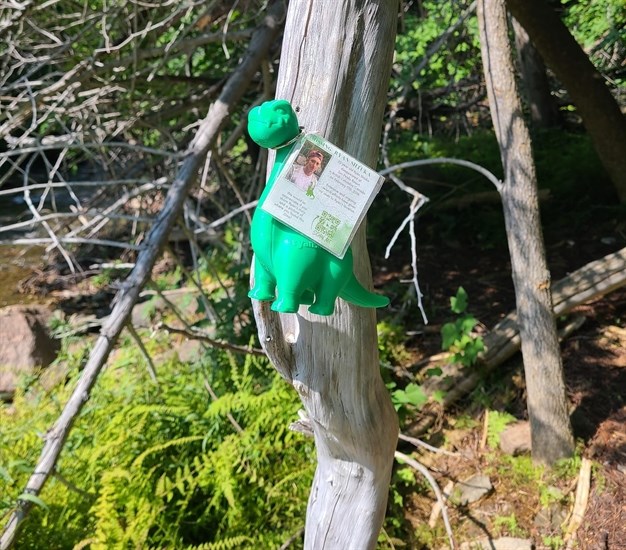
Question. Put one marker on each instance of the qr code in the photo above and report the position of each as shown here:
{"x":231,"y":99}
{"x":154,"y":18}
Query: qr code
{"x":326,"y":226}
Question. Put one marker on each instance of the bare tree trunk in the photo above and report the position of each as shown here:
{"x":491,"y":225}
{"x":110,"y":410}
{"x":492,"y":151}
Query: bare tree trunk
{"x":600,"y":112}
{"x":335,"y":66}
{"x":544,"y":112}
{"x":547,"y":405}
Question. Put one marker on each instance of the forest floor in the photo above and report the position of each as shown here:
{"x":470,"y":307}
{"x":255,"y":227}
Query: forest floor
{"x":594,"y":362}
{"x":467,"y":247}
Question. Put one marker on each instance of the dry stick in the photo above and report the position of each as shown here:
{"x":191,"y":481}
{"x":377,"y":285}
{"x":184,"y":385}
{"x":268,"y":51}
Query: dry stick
{"x":437,"y":507}
{"x":298,"y":534}
{"x":127,"y":297}
{"x":144,"y":352}
{"x":433,"y":483}
{"x":418,"y":198}
{"x":231,"y":418}
{"x":196,"y":334}
{"x":420,"y":443}
{"x":72,"y":240}
{"x":88,"y":70}
{"x":230,"y":179}
{"x":208,"y":307}
{"x":590,"y":282}
{"x":485,"y":434}
{"x":417,"y":202}
{"x":580,"y":503}
{"x":191,"y":237}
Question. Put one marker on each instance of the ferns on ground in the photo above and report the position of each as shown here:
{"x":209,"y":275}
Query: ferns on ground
{"x":164,"y":466}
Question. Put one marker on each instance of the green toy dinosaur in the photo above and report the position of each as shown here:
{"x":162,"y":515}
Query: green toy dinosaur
{"x":286,"y":261}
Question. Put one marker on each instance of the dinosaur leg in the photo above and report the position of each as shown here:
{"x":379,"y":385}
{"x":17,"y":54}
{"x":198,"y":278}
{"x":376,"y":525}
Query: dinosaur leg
{"x":307,"y":297}
{"x":326,"y":294}
{"x":324,"y":302}
{"x":291,"y":288}
{"x":288,"y":301}
{"x":333,"y":278}
{"x":264,"y":283}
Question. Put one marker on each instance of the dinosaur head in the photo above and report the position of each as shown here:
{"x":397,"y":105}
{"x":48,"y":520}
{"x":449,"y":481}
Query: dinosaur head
{"x":273,"y":123}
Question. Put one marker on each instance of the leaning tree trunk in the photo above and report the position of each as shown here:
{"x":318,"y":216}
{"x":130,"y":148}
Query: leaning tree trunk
{"x":547,"y":404}
{"x":335,"y":67}
{"x":544,"y":112}
{"x":600,"y":112}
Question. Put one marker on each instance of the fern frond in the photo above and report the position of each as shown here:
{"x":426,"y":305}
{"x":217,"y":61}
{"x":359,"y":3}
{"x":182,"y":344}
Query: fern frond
{"x":231,"y":543}
{"x":168,"y":444}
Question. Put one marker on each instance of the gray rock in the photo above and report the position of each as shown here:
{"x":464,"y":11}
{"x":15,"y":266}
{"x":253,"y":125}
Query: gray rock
{"x":503,"y":543}
{"x":515,"y":439}
{"x":472,"y":489}
{"x":551,"y":517}
{"x":25,"y":343}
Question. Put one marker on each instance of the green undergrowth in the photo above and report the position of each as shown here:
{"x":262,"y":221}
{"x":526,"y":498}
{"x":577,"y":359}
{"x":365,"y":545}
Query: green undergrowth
{"x":162,"y":466}
{"x":521,"y":489}
{"x":570,"y":178}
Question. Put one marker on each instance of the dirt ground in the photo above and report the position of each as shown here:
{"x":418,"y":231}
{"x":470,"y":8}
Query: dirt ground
{"x":594,"y":361}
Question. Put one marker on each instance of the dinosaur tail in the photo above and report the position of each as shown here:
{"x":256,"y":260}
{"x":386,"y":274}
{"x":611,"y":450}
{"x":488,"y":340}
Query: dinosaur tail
{"x":356,"y":294}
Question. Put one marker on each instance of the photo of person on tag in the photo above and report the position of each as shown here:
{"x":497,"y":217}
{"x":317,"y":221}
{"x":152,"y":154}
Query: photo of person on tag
{"x":305,"y":175}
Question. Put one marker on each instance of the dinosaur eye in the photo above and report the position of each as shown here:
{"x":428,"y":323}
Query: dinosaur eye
{"x":297,"y":109}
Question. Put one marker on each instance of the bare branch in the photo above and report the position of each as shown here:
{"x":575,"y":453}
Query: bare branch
{"x":435,"y":486}
{"x":196,"y":334}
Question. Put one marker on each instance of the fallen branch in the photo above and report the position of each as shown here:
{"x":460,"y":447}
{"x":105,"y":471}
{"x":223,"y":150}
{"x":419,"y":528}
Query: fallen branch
{"x":437,"y":507}
{"x":419,"y":443}
{"x":433,"y":483}
{"x":580,"y":503}
{"x":127,"y":296}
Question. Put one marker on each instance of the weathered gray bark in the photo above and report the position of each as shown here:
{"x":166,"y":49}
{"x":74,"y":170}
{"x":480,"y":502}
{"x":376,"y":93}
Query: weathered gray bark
{"x":547,"y":405}
{"x":335,"y":66}
{"x":544,"y":112}
{"x":126,"y":298}
{"x":600,"y":112}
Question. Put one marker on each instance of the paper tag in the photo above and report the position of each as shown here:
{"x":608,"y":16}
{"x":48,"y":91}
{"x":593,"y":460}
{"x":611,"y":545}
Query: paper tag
{"x":323,"y":193}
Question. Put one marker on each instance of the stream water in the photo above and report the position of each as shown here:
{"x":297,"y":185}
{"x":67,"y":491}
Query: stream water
{"x":17,"y":262}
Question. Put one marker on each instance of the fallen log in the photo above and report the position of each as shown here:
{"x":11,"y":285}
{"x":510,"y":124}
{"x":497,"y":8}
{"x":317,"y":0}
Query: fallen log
{"x":588,"y":283}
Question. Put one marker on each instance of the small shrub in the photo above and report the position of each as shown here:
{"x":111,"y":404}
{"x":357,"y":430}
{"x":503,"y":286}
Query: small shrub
{"x":457,"y":337}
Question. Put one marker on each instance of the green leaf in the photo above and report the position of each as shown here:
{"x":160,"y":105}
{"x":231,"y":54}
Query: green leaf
{"x":468,"y":323}
{"x":439,"y":395}
{"x":435,"y":371}
{"x":449,"y":334}
{"x":415,"y":395}
{"x":4,"y":473}
{"x":34,"y":499}
{"x":407,"y":475}
{"x":458,"y":303}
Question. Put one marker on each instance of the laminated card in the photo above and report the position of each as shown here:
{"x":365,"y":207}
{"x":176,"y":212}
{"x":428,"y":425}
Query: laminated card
{"x":323,"y":193}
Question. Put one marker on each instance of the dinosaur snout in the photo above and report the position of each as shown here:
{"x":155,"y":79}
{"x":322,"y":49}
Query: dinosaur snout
{"x":273,"y":123}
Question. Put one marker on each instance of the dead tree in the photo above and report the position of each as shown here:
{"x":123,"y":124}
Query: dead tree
{"x":335,"y":66}
{"x":547,"y":404}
